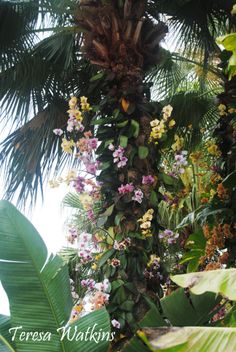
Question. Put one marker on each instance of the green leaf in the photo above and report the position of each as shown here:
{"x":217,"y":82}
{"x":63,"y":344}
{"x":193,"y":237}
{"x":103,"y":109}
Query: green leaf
{"x":190,"y":339}
{"x":193,"y":254}
{"x":193,"y":265}
{"x":109,"y":211}
{"x":228,"y":41}
{"x":127,"y":306}
{"x":134,"y":128}
{"x":230,"y":180}
{"x":143,"y":152}
{"x":98,"y":323}
{"x":116,"y":284}
{"x":118,"y":218}
{"x":174,"y":307}
{"x":222,"y":281}
{"x":168,"y":180}
{"x":98,"y":76}
{"x":154,"y":199}
{"x":152,"y":318}
{"x":123,"y":141}
{"x":199,"y":307}
{"x":38,"y":287}
{"x":122,"y":124}
{"x":105,"y":257}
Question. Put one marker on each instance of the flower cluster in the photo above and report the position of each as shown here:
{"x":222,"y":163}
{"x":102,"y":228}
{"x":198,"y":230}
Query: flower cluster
{"x":178,"y":144}
{"x":168,"y":236}
{"x":148,"y":180}
{"x":88,"y":284}
{"x":222,"y":110}
{"x":73,"y":289}
{"x":95,"y":298}
{"x":75,"y":114}
{"x":222,"y":192}
{"x":124,"y":189}
{"x":129,"y":188}
{"x":122,"y":245}
{"x":72,"y":236}
{"x":159,"y":127}
{"x":138,"y":196}
{"x":67,"y":145}
{"x":146,"y":223}
{"x":118,"y":155}
{"x":87,"y":145}
{"x":153,"y":269}
{"x":215,"y":254}
{"x":180,"y":163}
{"x":213,"y":148}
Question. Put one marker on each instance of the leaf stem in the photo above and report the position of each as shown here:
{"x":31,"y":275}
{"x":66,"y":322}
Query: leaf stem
{"x":6,"y":343}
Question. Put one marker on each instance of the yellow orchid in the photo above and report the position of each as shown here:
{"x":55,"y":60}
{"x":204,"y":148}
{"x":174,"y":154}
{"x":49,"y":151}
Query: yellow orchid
{"x":73,"y":102}
{"x":172,"y":123}
{"x":179,"y":143}
{"x":67,"y":145}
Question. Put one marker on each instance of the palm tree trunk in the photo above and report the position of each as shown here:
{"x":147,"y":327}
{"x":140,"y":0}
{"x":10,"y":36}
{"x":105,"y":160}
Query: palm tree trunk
{"x":124,"y":43}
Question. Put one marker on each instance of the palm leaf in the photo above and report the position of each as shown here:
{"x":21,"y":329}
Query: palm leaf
{"x":218,"y":281}
{"x":38,"y":287}
{"x":173,"y":307}
{"x":31,"y":152}
{"x":196,"y":22}
{"x":190,"y":339}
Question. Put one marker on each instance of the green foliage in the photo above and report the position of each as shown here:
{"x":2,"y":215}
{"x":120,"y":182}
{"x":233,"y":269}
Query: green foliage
{"x":62,"y":72}
{"x":196,"y":244}
{"x":38,"y":289}
{"x":218,"y":281}
{"x":228,"y":41}
{"x":190,"y":339}
{"x":172,"y":312}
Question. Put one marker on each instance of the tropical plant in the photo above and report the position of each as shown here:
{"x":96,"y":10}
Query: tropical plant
{"x":189,"y":338}
{"x":34,"y":102}
{"x":38,"y":289}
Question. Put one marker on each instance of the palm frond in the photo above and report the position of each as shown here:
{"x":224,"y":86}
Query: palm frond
{"x":178,"y":73}
{"x":194,"y":113}
{"x":196,"y":22}
{"x":29,"y":154}
{"x":79,"y":216}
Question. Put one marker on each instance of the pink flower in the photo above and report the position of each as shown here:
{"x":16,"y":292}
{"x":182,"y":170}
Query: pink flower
{"x":85,"y":255}
{"x":88,"y":283}
{"x":115,"y":323}
{"x":103,"y":286}
{"x":111,"y":147}
{"x":128,"y":188}
{"x":90,"y":215}
{"x":118,"y":153}
{"x":122,"y":162}
{"x":91,"y":168}
{"x":148,"y":180}
{"x":118,"y":156}
{"x":138,"y":196}
{"x":93,"y":143}
{"x":58,"y":132}
{"x":79,"y":184}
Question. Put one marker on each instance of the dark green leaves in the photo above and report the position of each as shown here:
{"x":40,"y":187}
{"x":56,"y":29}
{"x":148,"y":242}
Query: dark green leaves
{"x":143,"y":152}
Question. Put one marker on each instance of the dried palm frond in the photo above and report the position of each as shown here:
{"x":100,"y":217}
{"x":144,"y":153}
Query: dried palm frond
{"x":122,"y":40}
